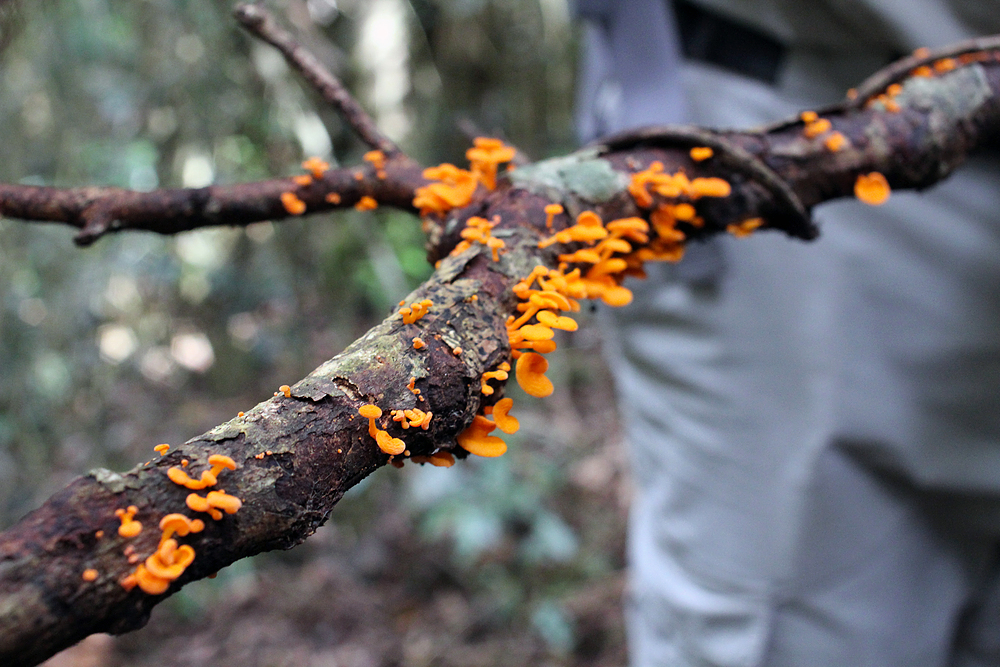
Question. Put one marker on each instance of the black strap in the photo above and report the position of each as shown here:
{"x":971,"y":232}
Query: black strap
{"x":721,"y":41}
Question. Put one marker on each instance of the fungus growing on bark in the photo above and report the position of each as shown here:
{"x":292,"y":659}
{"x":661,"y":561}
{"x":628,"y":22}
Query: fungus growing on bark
{"x":208,"y":477}
{"x":701,"y":153}
{"x":416,"y":310}
{"x":371,"y":413}
{"x":386,"y":443}
{"x":944,"y":65}
{"x":745,"y":228}
{"x":484,"y":157}
{"x":89,"y":574}
{"x":332,"y":198}
{"x":286,"y":390}
{"x":316,"y":167}
{"x":551,"y":211}
{"x":169,"y":561}
{"x":530,"y":374}
{"x":476,"y":439}
{"x":710,"y":187}
{"x":835,"y":142}
{"x":872,"y":188}
{"x":161,"y":449}
{"x":389,"y":444}
{"x":377,"y":160}
{"x":501,"y":373}
{"x":179,"y":524}
{"x":817,"y":127}
{"x":302,"y":179}
{"x":503,"y":420}
{"x":366,"y":203}
{"x":419,"y":344}
{"x":292,"y":203}
{"x":441,"y":459}
{"x":453,"y":188}
{"x":477,"y":230}
{"x":414,"y":417}
{"x":130,"y":527}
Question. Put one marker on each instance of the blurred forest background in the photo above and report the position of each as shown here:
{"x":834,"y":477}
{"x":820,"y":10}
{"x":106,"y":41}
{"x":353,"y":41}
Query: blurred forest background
{"x":110,"y":350}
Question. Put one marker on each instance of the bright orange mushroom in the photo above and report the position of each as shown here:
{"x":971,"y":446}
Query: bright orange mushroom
{"x":872,"y":188}
{"x":504,"y":421}
{"x":149,"y":582}
{"x":371,"y":413}
{"x":530,"y":375}
{"x":292,"y":203}
{"x":130,"y":527}
{"x":701,"y":153}
{"x":223,"y":501}
{"x":389,"y":444}
{"x":476,"y":439}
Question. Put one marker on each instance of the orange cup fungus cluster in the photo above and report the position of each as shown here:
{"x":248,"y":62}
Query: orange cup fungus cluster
{"x":501,"y":373}
{"x":130,"y":527}
{"x":377,"y":160}
{"x":453,"y":187}
{"x":815,"y":127}
{"x":414,"y":418}
{"x":414,"y":312}
{"x":388,"y":444}
{"x":170,"y":559}
{"x":478,"y":230}
{"x":218,"y":463}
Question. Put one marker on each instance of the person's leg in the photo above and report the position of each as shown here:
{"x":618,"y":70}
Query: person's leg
{"x":977,"y":641}
{"x":876,"y":582}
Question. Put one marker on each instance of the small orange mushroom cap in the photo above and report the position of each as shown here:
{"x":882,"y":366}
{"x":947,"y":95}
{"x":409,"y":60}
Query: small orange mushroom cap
{"x":130,"y":527}
{"x":441,"y":459}
{"x":530,"y":375}
{"x":370,"y":411}
{"x":180,"y":558}
{"x":504,"y":421}
{"x":223,"y":501}
{"x":150,"y":583}
{"x":477,"y":439}
{"x":221,"y":461}
{"x":180,"y":524}
{"x":872,"y":188}
{"x":292,"y":203}
{"x":389,"y":444}
{"x":700,"y":153}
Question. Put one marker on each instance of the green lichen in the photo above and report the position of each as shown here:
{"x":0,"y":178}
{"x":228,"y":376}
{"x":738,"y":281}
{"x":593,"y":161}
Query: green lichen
{"x":581,"y":174}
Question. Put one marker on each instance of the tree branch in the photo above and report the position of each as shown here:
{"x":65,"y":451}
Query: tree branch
{"x":297,"y":455}
{"x":97,"y":211}
{"x":259,"y":22}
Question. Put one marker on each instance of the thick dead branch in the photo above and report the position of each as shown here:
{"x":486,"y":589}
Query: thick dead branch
{"x":296,"y":455}
{"x":261,"y":23}
{"x":97,"y":211}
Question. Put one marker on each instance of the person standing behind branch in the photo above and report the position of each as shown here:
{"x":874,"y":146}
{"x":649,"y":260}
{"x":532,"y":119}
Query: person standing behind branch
{"x":815,"y":428}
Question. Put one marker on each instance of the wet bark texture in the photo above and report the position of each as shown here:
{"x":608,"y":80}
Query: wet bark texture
{"x":297,"y":455}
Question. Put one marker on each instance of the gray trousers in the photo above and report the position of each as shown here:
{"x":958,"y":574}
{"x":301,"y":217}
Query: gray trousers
{"x":815,"y":428}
